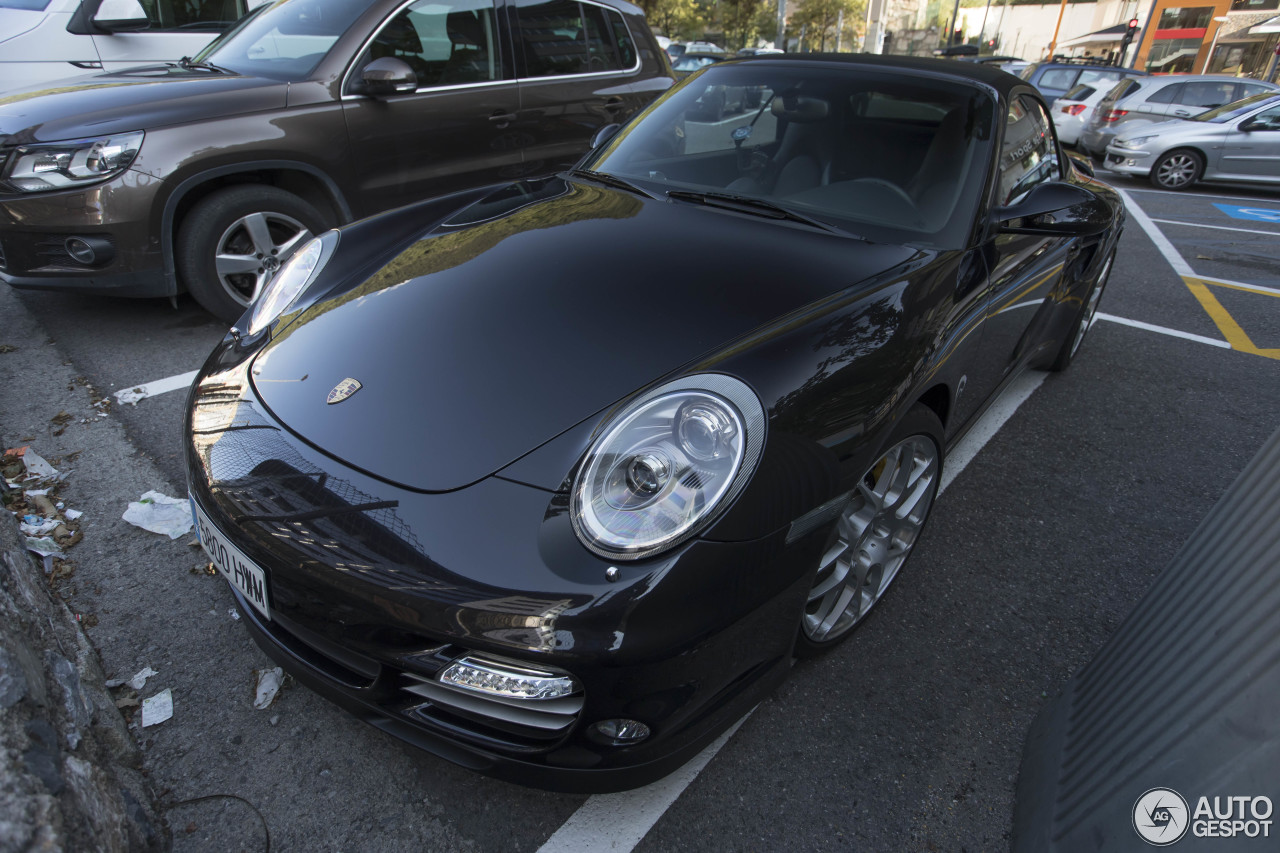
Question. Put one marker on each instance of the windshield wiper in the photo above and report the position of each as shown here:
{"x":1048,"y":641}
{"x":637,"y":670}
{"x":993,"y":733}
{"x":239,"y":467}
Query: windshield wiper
{"x":610,"y":180}
{"x":750,"y":204}
{"x":192,"y":65}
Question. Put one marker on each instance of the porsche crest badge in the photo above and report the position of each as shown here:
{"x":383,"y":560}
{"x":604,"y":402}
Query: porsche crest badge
{"x":343,"y":390}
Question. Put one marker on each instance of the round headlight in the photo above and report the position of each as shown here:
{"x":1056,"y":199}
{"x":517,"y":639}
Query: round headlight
{"x":664,"y":466}
{"x":298,"y":272}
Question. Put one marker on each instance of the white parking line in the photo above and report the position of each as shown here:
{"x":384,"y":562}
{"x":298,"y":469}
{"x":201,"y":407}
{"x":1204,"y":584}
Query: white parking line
{"x":1240,"y":285}
{"x":134,"y":393}
{"x":1218,"y":227}
{"x":1163,"y":245}
{"x":1164,"y":330}
{"x":617,"y":822}
{"x":989,"y":424}
{"x":1184,"y":195}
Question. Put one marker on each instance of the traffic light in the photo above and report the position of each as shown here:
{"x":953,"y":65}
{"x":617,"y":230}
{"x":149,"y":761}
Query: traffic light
{"x":1129,"y":33}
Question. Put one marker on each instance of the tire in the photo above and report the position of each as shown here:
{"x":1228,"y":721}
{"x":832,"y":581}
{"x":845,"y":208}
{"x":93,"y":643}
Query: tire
{"x":1084,"y":319}
{"x":1177,"y":170}
{"x":870,"y":541}
{"x":230,"y":231}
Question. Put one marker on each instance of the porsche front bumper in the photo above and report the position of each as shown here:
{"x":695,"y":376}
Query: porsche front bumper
{"x":375,"y":589}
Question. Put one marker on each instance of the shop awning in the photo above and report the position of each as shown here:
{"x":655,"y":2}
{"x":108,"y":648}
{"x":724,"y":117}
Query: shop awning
{"x":1266,"y":27}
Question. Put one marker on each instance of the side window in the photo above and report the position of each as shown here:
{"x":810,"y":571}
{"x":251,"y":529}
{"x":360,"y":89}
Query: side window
{"x":1266,"y":120}
{"x":1166,"y":94}
{"x":1029,"y":154}
{"x":1094,"y":75}
{"x":1081,"y":92}
{"x":193,"y":14}
{"x":445,"y":42}
{"x":1059,"y":78}
{"x":1207,"y":94}
{"x":622,"y":38}
{"x":564,"y":37}
{"x":1124,"y":87}
{"x":1249,"y":89}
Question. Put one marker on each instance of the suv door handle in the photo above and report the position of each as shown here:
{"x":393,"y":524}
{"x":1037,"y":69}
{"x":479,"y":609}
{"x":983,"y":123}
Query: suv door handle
{"x":502,"y":119}
{"x":1182,"y":112}
{"x":613,"y":104}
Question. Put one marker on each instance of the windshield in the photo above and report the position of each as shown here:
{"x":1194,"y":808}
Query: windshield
{"x":26,"y":5}
{"x":286,"y":40}
{"x":886,"y":156}
{"x":1235,"y":109}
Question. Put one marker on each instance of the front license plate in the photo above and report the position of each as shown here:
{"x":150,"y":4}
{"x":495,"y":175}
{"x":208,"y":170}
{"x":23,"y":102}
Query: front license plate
{"x":243,"y":574}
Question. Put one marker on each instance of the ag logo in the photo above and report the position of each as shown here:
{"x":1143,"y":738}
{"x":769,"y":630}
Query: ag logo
{"x":1160,"y":816}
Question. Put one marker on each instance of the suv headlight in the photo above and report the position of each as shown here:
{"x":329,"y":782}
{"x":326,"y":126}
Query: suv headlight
{"x":666,"y":464}
{"x":60,"y":165}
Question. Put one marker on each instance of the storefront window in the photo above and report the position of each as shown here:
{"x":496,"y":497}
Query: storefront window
{"x":1169,"y":56}
{"x":1254,"y":5}
{"x":1234,"y":58}
{"x":1176,"y":18}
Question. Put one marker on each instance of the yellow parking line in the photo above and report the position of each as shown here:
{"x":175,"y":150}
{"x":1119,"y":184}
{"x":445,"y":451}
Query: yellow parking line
{"x":1226,"y":323}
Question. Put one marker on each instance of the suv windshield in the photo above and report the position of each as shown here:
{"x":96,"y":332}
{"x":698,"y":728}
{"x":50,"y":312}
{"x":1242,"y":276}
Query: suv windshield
{"x":1227,"y":112}
{"x":888,"y":157}
{"x":285,"y":41}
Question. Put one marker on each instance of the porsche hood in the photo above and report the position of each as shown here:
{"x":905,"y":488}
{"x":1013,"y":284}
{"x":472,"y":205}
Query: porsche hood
{"x":528,"y":313}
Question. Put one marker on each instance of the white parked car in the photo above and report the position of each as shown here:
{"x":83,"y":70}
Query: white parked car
{"x":46,"y":40}
{"x":1072,"y":111}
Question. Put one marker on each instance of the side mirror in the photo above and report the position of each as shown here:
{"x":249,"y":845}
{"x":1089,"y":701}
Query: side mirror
{"x":388,"y":76}
{"x":120,"y":16}
{"x":1082,"y":163}
{"x":1055,"y":208}
{"x":604,"y":134}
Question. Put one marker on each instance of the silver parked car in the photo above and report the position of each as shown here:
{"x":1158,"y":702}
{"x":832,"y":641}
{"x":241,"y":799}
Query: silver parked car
{"x":1071,"y":112}
{"x":1140,"y":101}
{"x":1235,"y":142}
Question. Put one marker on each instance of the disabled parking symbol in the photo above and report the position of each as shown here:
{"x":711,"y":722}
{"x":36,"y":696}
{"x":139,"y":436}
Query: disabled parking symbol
{"x":1257,"y":214}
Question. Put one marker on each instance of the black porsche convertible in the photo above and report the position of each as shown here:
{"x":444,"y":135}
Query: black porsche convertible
{"x":554,"y":479}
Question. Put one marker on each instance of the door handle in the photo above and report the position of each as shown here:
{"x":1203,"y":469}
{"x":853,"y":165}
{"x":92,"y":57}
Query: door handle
{"x":1182,"y":112}
{"x":613,"y":104}
{"x":502,"y":119}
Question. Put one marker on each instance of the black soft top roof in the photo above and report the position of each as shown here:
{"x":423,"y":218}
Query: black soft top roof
{"x":1002,"y":81}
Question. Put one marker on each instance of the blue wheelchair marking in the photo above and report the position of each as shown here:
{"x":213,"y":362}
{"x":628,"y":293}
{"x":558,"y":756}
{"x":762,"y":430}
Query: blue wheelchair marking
{"x":1258,"y":214}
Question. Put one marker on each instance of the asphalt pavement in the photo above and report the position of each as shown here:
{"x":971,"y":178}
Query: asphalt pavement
{"x":907,"y":737}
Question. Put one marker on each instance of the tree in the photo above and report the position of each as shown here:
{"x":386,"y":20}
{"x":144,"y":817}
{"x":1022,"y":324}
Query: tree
{"x":741,"y":20}
{"x":819,"y":19}
{"x":676,"y":19}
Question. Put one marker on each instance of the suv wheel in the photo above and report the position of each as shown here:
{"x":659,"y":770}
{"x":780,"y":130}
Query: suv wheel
{"x":1177,"y":170}
{"x":234,"y":242}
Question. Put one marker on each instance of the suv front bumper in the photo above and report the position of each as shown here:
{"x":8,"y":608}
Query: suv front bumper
{"x":117,"y":218}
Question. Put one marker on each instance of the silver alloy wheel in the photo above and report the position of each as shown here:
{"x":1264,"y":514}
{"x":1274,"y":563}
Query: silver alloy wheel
{"x":1177,"y":170}
{"x":874,"y":535}
{"x":251,"y":251}
{"x":1091,"y":308}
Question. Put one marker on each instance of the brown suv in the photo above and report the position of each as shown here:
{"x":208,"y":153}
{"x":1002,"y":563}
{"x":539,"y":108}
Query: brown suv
{"x":205,"y":174}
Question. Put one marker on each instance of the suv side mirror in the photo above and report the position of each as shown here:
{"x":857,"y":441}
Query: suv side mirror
{"x":1055,"y":208}
{"x":120,"y":16}
{"x":388,"y":76}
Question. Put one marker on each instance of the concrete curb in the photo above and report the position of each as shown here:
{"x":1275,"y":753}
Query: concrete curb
{"x":70,"y":774}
